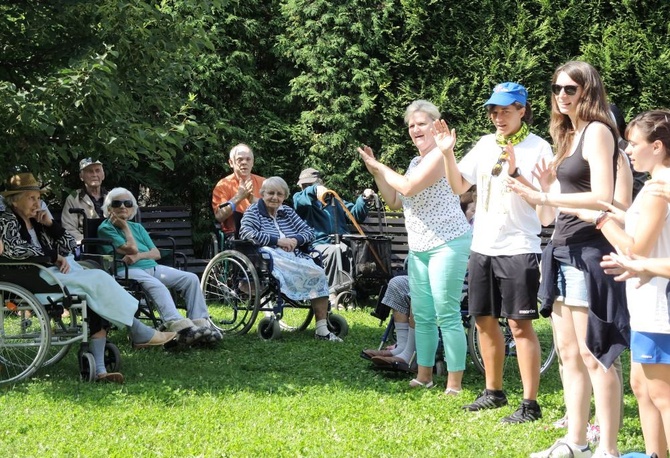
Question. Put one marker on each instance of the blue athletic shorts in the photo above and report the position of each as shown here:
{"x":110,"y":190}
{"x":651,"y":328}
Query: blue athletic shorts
{"x":650,"y":347}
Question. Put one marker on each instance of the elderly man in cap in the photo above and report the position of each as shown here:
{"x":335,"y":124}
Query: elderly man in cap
{"x":89,"y":198}
{"x":234,"y":193}
{"x":327,"y":220}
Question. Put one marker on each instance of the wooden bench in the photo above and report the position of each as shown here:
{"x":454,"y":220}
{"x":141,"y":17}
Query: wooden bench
{"x":174,"y":222}
{"x":391,"y":224}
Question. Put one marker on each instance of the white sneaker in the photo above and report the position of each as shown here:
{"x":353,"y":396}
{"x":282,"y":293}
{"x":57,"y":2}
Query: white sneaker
{"x":330,"y":337}
{"x":563,"y":449}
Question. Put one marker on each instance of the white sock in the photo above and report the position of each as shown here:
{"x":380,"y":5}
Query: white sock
{"x":410,"y":347}
{"x":322,"y":328}
{"x":401,"y":330}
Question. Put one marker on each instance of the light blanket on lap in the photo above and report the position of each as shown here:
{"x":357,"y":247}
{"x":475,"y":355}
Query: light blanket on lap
{"x":299,"y":278}
{"x":103,"y":294}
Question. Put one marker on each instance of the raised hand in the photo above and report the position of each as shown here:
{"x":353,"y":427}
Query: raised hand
{"x":544,"y":175}
{"x":368,"y":158}
{"x":444,"y":138}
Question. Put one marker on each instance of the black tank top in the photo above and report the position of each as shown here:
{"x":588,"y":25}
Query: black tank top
{"x":574,"y":175}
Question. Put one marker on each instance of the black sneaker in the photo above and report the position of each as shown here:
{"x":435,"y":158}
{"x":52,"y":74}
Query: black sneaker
{"x":486,"y":401}
{"x":526,"y":412}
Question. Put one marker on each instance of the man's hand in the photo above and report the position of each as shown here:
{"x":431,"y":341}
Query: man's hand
{"x":246,"y":190}
{"x":368,"y":194}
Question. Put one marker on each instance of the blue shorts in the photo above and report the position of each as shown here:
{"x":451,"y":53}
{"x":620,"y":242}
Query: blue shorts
{"x":571,"y":286}
{"x":650,"y":347}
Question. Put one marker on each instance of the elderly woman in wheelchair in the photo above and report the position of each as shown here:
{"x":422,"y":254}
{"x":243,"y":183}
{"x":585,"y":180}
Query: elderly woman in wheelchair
{"x":280,"y":232}
{"x":140,"y":256}
{"x":27,"y":232}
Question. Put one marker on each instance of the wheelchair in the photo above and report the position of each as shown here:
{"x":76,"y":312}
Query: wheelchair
{"x":543,"y":329}
{"x":239,"y":287}
{"x":35,"y":330}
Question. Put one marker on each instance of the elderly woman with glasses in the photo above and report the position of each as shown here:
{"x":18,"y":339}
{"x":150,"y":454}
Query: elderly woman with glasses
{"x":279,"y":231}
{"x":139,"y":253}
{"x":26,"y":230}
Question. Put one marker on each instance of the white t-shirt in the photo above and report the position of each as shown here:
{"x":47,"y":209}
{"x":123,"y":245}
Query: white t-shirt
{"x":432,"y":216}
{"x":505,"y":224}
{"x":648,"y":304}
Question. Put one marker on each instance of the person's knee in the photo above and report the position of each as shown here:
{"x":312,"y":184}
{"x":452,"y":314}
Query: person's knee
{"x":522,"y":329}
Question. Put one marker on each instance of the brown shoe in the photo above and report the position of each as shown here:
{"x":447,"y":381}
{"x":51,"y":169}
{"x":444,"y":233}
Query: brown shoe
{"x":371,"y":353}
{"x":111,"y":377}
{"x":159,"y":338}
{"x":387,"y":361}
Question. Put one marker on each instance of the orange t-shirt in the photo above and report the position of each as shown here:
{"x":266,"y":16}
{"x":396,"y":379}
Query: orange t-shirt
{"x":226,"y":189}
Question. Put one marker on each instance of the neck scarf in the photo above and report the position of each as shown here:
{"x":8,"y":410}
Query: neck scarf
{"x":516,"y":138}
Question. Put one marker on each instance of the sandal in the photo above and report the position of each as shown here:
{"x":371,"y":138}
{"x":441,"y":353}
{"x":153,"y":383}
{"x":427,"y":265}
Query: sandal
{"x":414,"y":383}
{"x":452,"y":392}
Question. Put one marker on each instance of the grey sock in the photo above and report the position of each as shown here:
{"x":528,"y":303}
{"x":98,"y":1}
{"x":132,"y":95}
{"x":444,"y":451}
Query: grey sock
{"x":410,"y":347}
{"x":97,"y":347}
{"x":401,"y":331}
{"x":141,"y":333}
{"x":322,"y":328}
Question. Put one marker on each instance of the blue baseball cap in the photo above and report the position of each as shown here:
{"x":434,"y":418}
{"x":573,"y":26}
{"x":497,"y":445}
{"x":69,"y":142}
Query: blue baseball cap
{"x":506,"y":94}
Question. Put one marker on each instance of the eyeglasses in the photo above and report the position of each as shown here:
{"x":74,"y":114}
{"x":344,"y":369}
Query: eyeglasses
{"x":119,"y":203}
{"x":497,"y":168}
{"x":569,"y":89}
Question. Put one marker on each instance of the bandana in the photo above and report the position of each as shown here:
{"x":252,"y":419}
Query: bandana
{"x":516,"y":138}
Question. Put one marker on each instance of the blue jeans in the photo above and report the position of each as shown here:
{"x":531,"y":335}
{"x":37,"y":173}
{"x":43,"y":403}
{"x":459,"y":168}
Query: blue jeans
{"x":435,"y":281}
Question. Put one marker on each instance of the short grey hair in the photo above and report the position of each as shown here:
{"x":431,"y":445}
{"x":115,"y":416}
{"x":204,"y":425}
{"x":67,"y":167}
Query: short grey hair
{"x":112,"y":195}
{"x":239,"y":148}
{"x":275,"y":183}
{"x":423,"y":106}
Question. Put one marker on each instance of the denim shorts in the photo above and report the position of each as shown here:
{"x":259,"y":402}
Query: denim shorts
{"x":571,"y":286}
{"x":650,"y":347}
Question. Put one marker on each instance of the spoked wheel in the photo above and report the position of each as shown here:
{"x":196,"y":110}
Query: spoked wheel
{"x":545,"y":336}
{"x":24,"y":333}
{"x":269,"y":328}
{"x":338,"y":325}
{"x":62,"y":334}
{"x":232,"y":291}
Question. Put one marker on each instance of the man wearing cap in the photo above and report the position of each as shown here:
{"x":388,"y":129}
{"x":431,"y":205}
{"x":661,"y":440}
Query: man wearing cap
{"x":503,"y":273}
{"x":327,"y":220}
{"x":234,"y":193}
{"x":89,"y":198}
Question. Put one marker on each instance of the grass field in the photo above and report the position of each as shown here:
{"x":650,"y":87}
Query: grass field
{"x":294,"y":397}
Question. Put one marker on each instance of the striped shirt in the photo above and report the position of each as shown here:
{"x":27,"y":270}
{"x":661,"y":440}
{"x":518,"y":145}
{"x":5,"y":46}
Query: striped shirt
{"x":264,"y":230}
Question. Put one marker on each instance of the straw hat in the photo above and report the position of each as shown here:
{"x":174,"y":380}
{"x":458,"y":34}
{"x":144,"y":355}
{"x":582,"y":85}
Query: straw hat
{"x":21,"y":182}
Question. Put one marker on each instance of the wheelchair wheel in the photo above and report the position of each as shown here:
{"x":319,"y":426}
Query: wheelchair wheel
{"x":338,"y":325}
{"x":269,"y":328}
{"x":86,"y":367}
{"x":296,"y":316}
{"x":112,"y":357}
{"x":24,"y":333}
{"x":232,"y":291}
{"x":511,"y":369}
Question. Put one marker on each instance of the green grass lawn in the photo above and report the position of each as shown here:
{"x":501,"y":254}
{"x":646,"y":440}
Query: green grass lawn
{"x":293,"y":397}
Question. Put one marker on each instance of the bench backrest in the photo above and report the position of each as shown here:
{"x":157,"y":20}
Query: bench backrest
{"x":391,"y":224}
{"x":174,"y":222}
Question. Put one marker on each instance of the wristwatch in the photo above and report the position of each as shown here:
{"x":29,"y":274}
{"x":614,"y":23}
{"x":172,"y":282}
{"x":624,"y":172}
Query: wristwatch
{"x":516,"y":173}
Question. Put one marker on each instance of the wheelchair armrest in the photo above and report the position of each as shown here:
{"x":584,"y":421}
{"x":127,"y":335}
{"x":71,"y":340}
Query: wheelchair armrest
{"x":43,"y":260}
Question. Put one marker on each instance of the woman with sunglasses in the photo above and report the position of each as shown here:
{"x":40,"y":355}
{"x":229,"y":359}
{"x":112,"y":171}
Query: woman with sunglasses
{"x":590,"y":317}
{"x":503,"y":270}
{"x":439,"y":239}
{"x":139,"y":253}
{"x":26,"y":230}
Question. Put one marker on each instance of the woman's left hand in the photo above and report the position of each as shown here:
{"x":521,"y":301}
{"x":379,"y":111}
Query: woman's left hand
{"x":62,"y":264}
{"x":287,"y":244}
{"x":444,"y":138}
{"x":589,"y":216}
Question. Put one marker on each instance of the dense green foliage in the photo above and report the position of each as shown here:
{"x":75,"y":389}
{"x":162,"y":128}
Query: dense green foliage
{"x":160,"y":91}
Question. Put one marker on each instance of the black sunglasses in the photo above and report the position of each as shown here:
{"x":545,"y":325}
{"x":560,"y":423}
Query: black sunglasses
{"x":497,"y":168}
{"x":119,"y":203}
{"x":569,"y":89}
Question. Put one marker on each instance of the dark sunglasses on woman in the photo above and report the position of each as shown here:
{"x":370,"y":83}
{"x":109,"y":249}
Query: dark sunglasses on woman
{"x":569,"y":89}
{"x":119,"y":203}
